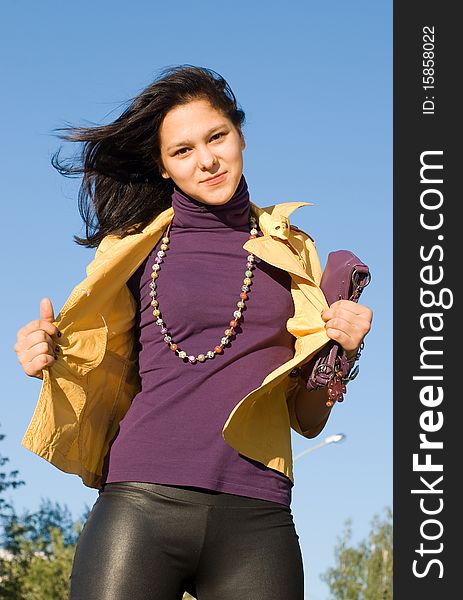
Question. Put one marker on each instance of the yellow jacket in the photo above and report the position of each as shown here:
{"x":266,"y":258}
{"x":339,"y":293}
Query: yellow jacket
{"x":88,"y":390}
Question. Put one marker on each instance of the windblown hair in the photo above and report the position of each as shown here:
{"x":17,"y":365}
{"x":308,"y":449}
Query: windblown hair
{"x":122,"y":189}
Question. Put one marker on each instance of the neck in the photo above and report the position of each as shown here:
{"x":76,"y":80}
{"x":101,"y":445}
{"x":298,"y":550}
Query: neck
{"x":191,"y":213}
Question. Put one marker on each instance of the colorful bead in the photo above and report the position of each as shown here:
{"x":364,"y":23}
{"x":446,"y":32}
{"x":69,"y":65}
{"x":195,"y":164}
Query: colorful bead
{"x":225,"y":341}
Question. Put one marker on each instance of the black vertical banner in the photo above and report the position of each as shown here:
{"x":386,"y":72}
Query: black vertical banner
{"x":428,"y":325}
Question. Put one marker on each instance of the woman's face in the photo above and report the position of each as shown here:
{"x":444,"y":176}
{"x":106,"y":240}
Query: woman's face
{"x":197,"y":143}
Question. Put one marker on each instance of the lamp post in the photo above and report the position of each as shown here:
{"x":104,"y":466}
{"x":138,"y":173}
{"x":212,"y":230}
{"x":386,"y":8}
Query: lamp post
{"x":330,"y":439}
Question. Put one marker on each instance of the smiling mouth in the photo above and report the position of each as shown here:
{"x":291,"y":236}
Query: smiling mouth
{"x":215,"y":179}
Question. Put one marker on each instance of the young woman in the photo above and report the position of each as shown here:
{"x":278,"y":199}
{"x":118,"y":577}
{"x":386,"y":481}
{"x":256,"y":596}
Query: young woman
{"x":171,"y":375}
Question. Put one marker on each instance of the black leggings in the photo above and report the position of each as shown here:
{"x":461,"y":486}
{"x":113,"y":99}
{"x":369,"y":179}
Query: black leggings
{"x":147,"y":541}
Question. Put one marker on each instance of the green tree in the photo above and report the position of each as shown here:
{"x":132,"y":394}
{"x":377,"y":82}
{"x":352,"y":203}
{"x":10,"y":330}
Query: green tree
{"x":7,"y":480}
{"x":36,"y":548}
{"x":39,"y":570}
{"x":363,"y":572}
{"x":35,"y":527}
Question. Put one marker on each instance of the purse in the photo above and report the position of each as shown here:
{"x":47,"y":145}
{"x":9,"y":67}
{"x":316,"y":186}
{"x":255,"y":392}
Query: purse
{"x":344,"y":278}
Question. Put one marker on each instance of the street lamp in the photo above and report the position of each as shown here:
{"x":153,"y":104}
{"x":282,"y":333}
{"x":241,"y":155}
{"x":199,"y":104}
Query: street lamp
{"x":330,"y":439}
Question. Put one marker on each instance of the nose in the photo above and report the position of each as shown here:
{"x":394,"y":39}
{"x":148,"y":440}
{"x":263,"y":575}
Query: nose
{"x":206,"y":159}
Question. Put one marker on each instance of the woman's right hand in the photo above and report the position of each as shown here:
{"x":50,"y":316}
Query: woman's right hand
{"x":35,"y":346}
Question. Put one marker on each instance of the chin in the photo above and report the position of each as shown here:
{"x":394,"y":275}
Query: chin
{"x":219,"y":200}
{"x":218,"y":196}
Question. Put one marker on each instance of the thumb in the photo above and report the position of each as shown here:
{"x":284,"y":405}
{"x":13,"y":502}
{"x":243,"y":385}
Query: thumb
{"x":46,"y":310}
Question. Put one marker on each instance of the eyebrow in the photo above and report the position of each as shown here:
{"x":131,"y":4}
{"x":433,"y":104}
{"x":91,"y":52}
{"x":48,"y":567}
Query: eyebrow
{"x":188,"y":142}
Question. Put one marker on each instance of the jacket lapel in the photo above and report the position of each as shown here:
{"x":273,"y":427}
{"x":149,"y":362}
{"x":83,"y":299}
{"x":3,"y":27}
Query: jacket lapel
{"x":117,"y":258}
{"x":273,"y":247}
{"x":277,"y":246}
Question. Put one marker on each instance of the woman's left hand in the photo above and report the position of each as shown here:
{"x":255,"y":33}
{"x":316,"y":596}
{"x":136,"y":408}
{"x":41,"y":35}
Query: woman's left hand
{"x":347,"y":323}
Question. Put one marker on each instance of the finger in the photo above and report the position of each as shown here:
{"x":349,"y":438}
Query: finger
{"x":346,"y":341}
{"x":34,"y":367}
{"x":36,"y":325}
{"x":340,"y":323}
{"x":348,"y":320}
{"x":347,"y":309}
{"x":346,"y":315}
{"x":33,"y":338}
{"x":46,"y":310}
{"x":349,"y":305}
{"x":32,"y":361}
{"x":356,"y":329}
{"x":29,"y":354}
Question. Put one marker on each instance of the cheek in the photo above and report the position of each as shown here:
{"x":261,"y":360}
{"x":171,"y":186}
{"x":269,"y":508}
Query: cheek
{"x":179,"y":168}
{"x":234,"y":154}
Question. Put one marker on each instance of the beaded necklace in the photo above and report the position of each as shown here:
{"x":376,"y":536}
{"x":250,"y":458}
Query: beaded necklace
{"x":236,"y":315}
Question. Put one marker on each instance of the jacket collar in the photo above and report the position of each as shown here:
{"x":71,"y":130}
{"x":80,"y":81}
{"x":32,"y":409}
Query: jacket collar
{"x":273,"y":220}
{"x":277,"y":245}
{"x":274,"y":223}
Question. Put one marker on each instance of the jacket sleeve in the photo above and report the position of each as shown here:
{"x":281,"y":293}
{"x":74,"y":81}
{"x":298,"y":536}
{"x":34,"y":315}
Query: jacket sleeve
{"x":297,"y":391}
{"x":104,"y":245}
{"x":312,"y":259}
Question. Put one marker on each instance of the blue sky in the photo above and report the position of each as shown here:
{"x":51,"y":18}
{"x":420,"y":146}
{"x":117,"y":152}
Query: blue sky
{"x":315,"y":82}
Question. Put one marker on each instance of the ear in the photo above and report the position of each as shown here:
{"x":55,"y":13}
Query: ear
{"x":162,"y":171}
{"x":243,"y":141}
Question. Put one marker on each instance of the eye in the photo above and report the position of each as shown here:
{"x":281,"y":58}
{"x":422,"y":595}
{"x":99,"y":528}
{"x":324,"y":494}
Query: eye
{"x":216,"y":134}
{"x":180,"y":151}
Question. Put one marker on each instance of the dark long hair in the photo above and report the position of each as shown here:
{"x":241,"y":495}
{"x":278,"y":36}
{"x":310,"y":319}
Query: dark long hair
{"x":122,"y":188}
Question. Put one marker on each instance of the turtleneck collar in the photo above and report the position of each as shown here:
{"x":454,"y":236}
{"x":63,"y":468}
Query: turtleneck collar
{"x":191,"y":213}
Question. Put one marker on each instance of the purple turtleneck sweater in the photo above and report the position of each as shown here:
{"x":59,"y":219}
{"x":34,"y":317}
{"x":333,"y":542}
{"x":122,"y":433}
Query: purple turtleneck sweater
{"x":172,"y":432}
